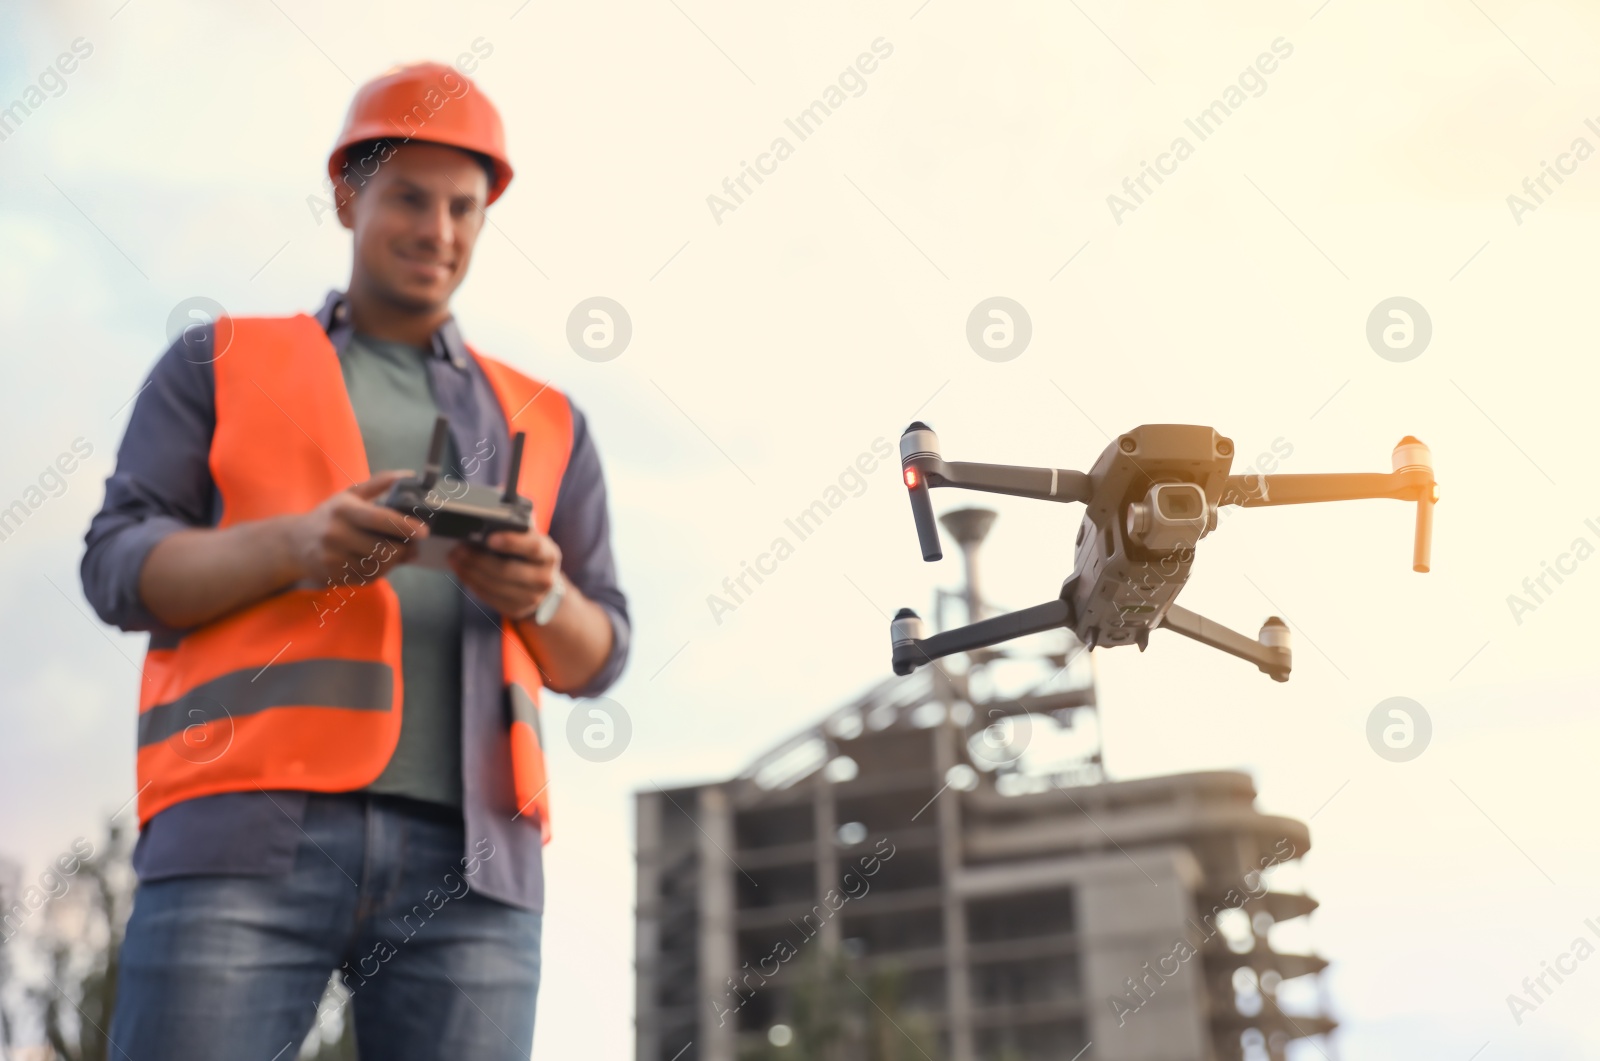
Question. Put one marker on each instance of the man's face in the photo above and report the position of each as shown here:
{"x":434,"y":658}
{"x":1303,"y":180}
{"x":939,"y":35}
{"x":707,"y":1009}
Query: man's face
{"x":415,"y":222}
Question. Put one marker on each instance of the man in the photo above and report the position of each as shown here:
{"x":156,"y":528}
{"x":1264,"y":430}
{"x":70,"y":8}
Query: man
{"x":339,"y":759}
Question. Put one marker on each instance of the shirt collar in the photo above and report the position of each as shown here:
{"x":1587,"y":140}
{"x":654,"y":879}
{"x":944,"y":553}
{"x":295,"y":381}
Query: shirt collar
{"x":334,"y":316}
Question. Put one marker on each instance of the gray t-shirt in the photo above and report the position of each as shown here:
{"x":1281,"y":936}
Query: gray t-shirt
{"x":395,"y":408}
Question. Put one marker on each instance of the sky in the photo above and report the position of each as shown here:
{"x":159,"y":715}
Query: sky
{"x":1365,"y":153}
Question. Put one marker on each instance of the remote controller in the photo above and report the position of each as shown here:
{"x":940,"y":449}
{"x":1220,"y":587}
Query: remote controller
{"x":455,"y":508}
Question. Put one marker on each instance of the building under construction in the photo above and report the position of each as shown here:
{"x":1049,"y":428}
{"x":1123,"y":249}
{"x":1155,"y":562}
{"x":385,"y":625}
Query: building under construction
{"x":1031,"y":906}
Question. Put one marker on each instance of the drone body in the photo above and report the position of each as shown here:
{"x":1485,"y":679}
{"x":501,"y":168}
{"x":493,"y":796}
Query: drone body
{"x":1149,"y":499}
{"x":1121,"y":586}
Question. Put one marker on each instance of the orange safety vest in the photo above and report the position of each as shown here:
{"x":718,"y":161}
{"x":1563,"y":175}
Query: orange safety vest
{"x":303,"y":690}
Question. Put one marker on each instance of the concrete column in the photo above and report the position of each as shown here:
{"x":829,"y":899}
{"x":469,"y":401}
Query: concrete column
{"x":1132,"y":915}
{"x":825,"y":806}
{"x":718,"y":938}
{"x":957,"y":973}
{"x":647,"y":924}
{"x":1132,"y":907}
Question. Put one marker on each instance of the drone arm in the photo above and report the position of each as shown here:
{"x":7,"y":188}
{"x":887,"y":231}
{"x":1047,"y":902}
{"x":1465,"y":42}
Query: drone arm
{"x":922,"y":469}
{"x":923,"y":466}
{"x":1411,"y":480}
{"x":910,"y":649}
{"x":1270,"y":654}
{"x":1255,"y":491}
{"x":1044,"y":484}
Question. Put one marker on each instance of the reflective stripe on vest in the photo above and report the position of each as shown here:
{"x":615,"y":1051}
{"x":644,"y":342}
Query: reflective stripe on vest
{"x":527,"y":757}
{"x":356,"y":685}
{"x":303,"y":690}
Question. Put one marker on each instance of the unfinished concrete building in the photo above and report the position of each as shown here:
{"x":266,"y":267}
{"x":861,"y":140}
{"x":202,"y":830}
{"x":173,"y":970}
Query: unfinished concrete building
{"x":1033,"y":906}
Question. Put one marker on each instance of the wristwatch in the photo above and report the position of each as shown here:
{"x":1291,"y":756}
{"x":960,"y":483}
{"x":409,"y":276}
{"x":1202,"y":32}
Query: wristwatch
{"x":550,"y":601}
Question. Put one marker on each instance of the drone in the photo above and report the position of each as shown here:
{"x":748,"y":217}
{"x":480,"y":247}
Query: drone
{"x":1149,"y":499}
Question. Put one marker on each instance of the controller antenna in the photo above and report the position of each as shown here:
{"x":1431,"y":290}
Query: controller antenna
{"x":517,"y":442}
{"x":430,"y":472}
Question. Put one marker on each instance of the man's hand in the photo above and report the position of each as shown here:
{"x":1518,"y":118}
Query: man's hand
{"x":512,"y":578}
{"x":202,"y":573}
{"x":350,"y":530}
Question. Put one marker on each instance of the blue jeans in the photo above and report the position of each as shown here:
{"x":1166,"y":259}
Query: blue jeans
{"x":233,"y":967}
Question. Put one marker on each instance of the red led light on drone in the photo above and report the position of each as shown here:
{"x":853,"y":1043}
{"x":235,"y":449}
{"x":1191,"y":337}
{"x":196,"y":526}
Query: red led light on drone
{"x":911,"y":478}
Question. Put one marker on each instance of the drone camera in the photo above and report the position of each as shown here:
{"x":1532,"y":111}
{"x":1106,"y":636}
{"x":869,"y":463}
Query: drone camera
{"x":1180,"y":504}
{"x":1172,"y":516}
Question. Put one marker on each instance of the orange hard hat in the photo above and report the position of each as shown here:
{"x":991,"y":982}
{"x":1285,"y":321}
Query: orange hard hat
{"x":430,"y":103}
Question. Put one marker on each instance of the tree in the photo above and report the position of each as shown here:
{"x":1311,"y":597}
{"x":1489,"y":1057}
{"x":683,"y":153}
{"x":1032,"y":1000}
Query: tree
{"x":842,"y":1010}
{"x":10,"y":874}
{"x":79,"y":939}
